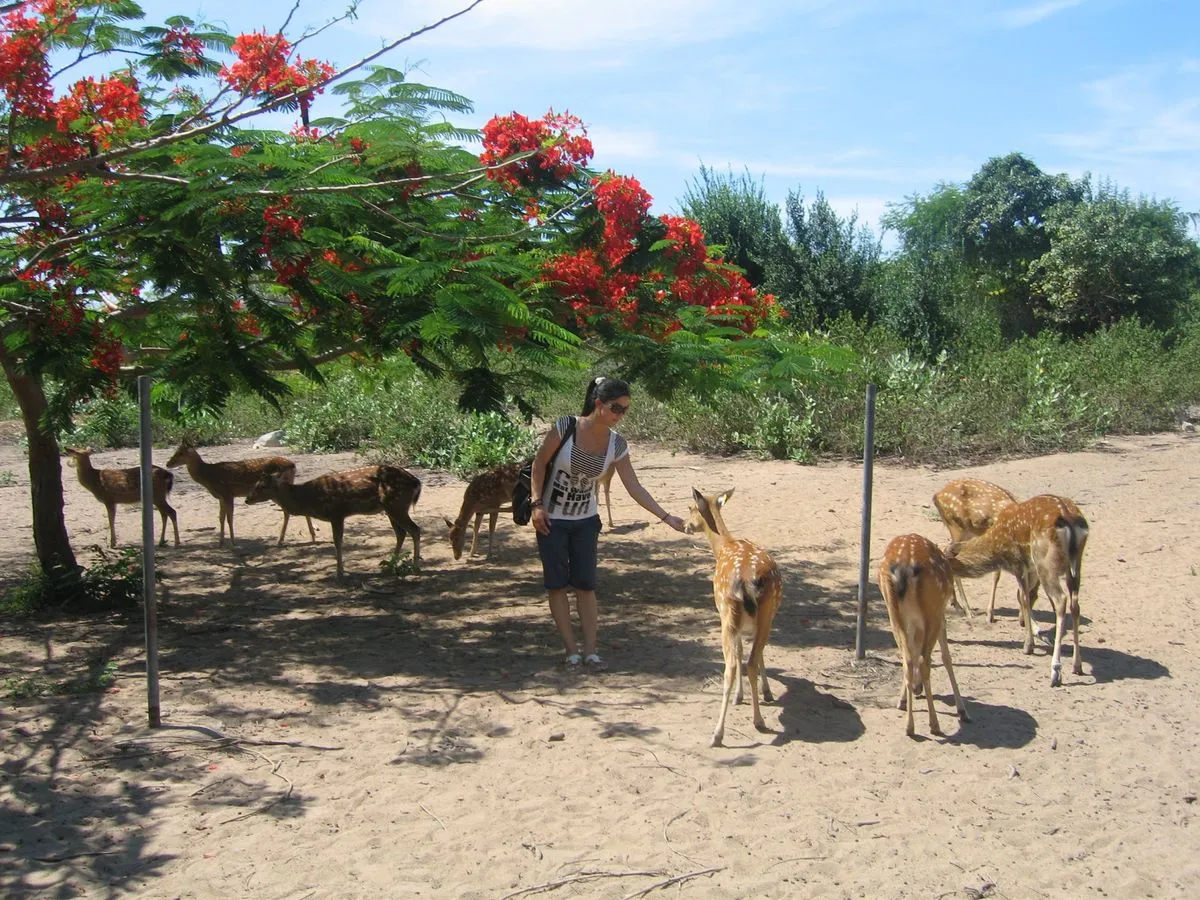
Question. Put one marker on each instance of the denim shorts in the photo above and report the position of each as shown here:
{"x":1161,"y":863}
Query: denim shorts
{"x":568,"y":553}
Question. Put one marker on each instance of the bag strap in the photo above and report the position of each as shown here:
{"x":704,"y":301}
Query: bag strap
{"x":550,"y":465}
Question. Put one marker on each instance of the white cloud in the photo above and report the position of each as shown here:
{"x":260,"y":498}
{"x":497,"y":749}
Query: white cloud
{"x":584,"y":25}
{"x":565,"y":25}
{"x":1142,"y":111}
{"x":1031,"y":15}
{"x":836,"y":169}
{"x":625,"y":144}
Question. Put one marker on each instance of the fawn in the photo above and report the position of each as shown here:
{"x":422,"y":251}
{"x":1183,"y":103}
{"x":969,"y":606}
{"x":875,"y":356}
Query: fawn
{"x":334,"y":497}
{"x":488,"y":492}
{"x":227,"y":480}
{"x":917,"y":583}
{"x":747,"y":588}
{"x":113,"y":486}
{"x":1040,"y":541}
{"x":968,"y":507}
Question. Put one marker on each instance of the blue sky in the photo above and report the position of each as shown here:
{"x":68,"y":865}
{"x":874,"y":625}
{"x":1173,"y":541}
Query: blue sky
{"x":869,"y":101}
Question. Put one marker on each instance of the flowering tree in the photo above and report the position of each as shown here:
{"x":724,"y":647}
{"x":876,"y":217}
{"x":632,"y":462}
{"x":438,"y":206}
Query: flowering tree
{"x":147,"y":227}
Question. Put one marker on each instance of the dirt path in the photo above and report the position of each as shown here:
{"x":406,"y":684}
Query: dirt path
{"x":421,"y":738}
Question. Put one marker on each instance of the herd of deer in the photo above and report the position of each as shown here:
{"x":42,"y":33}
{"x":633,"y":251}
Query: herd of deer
{"x":1040,"y":541}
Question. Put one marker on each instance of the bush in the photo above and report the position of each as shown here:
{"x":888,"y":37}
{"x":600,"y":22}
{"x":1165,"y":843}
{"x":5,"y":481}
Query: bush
{"x":105,"y":422}
{"x":112,"y":582}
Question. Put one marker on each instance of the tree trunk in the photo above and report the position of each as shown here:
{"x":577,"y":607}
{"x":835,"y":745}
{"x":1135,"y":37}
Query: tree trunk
{"x":45,"y":472}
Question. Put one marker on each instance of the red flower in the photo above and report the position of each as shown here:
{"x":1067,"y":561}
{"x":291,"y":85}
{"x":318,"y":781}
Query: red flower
{"x":623,"y":203}
{"x":262,"y":68}
{"x":182,"y":43}
{"x":560,"y":140}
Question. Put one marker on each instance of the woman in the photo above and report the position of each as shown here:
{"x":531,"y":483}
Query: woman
{"x":565,"y":508}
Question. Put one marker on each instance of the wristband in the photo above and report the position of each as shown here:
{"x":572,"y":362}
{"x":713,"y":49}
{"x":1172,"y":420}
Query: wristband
{"x":535,"y":504}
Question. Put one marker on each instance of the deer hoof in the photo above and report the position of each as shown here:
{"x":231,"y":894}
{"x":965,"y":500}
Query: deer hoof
{"x":1055,"y":676}
{"x":716,"y":739}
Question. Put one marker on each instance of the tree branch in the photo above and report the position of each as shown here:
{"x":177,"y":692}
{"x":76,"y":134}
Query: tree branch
{"x":226,"y":119}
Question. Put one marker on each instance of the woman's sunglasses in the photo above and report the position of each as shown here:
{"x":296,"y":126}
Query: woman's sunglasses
{"x":617,"y":409}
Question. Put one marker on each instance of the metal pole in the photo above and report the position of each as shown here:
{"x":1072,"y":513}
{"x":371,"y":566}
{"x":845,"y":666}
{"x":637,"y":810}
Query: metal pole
{"x":148,"y":594}
{"x":864,"y":559}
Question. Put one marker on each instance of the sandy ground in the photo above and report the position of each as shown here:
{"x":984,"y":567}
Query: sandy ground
{"x":387,"y":737}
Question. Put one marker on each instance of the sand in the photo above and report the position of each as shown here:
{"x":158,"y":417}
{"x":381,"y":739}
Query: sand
{"x":420,"y":736}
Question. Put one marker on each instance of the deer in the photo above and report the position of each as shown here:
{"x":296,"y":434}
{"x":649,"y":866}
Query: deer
{"x":334,"y":497}
{"x":113,"y":486}
{"x":917,"y":584}
{"x":968,"y":507}
{"x":488,"y":492}
{"x":227,"y":480}
{"x":747,"y":589}
{"x":1040,"y":541}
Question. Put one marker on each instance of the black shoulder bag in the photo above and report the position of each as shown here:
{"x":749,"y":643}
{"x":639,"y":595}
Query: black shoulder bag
{"x":522,"y":497}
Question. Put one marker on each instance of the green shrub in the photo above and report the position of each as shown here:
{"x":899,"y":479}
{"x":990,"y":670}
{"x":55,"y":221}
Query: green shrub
{"x":112,"y":582}
{"x":105,"y":422}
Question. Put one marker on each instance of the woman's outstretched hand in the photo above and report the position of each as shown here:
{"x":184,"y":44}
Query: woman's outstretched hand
{"x":674,"y":521}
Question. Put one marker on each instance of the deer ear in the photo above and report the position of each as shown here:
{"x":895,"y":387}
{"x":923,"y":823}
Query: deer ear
{"x":724,"y":498}
{"x":698,"y":497}
{"x":449,"y":524}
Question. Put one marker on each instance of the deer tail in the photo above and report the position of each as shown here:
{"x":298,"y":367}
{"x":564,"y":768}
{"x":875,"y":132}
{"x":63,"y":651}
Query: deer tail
{"x":1072,"y":533}
{"x":902,"y":576}
{"x":749,"y":589}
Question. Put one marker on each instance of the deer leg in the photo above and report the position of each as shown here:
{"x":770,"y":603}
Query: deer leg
{"x":338,"y":526}
{"x":991,"y":610}
{"x":767,"y":696}
{"x":740,"y":696}
{"x":1060,"y":614}
{"x":934,"y":727}
{"x":312,"y":532}
{"x":962,"y":592}
{"x":608,"y":498}
{"x":112,"y":524}
{"x":898,"y":635}
{"x":1076,"y":659}
{"x":1027,"y":615}
{"x":165,"y":511}
{"x":492,"y":530}
{"x":282,"y":531}
{"x":475,"y":535}
{"x":958,"y":700}
{"x":729,"y":648}
{"x":907,"y":694}
{"x":755,"y":670}
{"x":227,"y":503}
{"x":403,"y":524}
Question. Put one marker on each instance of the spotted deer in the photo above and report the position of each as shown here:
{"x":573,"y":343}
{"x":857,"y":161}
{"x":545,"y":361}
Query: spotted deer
{"x":1040,"y":541}
{"x":487,"y":493}
{"x":113,"y":486}
{"x":334,"y":497}
{"x":968,"y":507}
{"x":227,"y":480}
{"x":747,"y":588}
{"x":917,"y":584}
